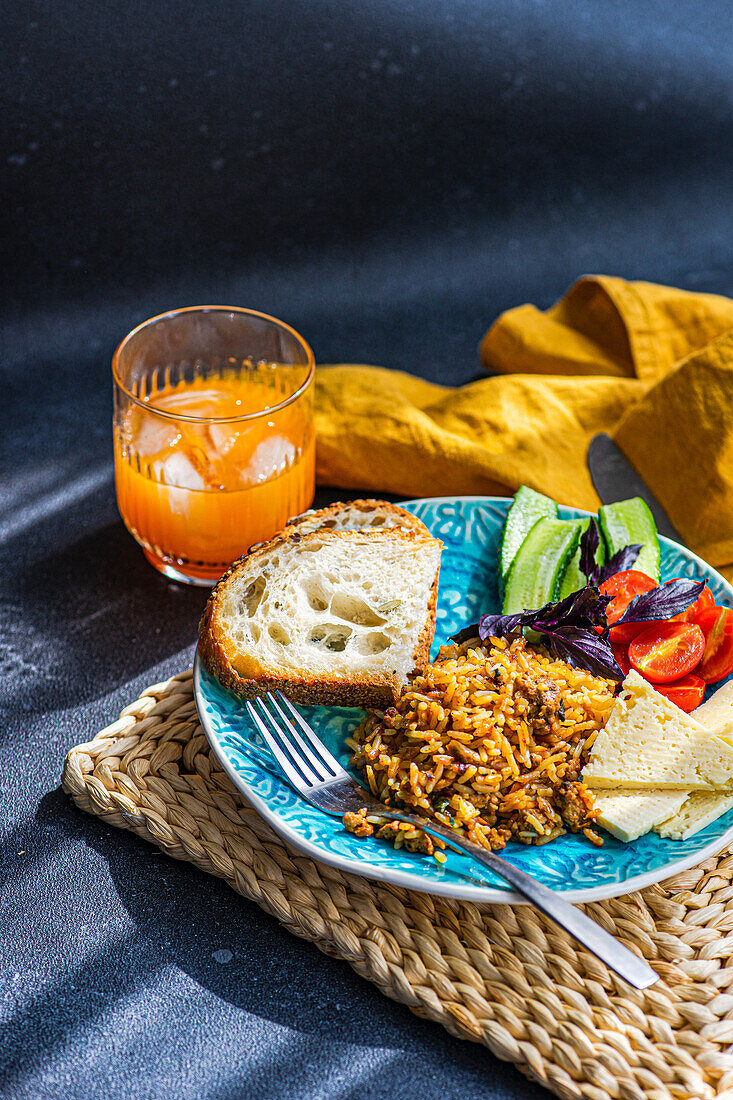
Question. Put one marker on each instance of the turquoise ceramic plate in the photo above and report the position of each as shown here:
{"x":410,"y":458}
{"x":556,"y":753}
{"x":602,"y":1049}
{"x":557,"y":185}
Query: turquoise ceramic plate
{"x":470,"y":528}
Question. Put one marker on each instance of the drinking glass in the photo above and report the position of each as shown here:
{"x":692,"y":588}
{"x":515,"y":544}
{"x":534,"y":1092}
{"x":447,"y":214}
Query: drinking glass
{"x":214,"y":443}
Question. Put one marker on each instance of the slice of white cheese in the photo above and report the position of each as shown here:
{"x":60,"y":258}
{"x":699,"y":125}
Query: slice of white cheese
{"x":629,"y":814}
{"x":701,"y":808}
{"x":648,"y":742}
{"x":699,"y":811}
{"x":717,"y":712}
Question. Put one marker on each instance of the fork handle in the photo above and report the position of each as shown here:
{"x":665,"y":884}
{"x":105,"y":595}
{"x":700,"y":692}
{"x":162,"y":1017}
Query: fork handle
{"x":606,"y":947}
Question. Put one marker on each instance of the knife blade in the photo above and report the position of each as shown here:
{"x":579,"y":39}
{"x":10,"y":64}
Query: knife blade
{"x":614,"y":478}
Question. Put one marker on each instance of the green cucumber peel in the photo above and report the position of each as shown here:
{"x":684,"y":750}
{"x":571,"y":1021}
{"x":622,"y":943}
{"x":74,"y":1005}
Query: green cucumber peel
{"x":527,"y":508}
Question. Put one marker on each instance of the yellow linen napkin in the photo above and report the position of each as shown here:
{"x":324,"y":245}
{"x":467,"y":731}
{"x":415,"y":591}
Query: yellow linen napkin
{"x":652,"y":365}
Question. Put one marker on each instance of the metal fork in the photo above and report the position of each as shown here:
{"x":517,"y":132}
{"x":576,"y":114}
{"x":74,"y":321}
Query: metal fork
{"x":318,"y":777}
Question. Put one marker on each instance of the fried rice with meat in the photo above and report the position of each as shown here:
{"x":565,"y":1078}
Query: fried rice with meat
{"x":490,"y":740}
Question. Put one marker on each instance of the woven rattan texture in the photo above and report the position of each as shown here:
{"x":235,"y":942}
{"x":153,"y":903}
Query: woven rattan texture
{"x":499,"y":975}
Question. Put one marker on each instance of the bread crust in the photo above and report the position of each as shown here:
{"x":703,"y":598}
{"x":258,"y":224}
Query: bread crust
{"x":363,"y":691}
{"x":319,"y":518}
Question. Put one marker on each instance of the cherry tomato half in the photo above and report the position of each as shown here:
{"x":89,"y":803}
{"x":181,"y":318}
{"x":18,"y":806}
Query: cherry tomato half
{"x":717,"y":661}
{"x":687,"y":693}
{"x":692,"y":613}
{"x":626,"y":632}
{"x":622,"y":587}
{"x":666,"y":651}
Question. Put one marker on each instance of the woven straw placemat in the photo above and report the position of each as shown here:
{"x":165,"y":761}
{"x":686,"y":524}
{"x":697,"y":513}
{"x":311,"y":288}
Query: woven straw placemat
{"x":497,"y":974}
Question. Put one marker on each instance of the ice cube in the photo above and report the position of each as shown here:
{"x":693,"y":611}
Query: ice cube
{"x":149,"y":435}
{"x":226,"y":436}
{"x":196,"y":446}
{"x":269,"y":458}
{"x":241,"y":457}
{"x":177,"y":469}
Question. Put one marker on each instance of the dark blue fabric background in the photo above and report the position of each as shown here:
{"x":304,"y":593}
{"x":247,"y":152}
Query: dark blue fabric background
{"x":386,"y":176}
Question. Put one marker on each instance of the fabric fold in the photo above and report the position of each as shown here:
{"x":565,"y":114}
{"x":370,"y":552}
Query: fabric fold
{"x":651,"y":365}
{"x":606,"y":325}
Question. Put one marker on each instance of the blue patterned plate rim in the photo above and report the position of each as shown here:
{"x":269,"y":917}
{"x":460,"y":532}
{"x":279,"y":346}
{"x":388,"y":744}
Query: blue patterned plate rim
{"x":430,"y":879}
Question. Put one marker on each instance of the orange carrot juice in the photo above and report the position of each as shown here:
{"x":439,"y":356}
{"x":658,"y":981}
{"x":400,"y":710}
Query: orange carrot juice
{"x":196,"y":486}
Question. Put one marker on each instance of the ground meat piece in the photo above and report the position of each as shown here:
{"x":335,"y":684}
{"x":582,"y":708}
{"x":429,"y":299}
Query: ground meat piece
{"x":388,"y":831}
{"x":413,"y":838}
{"x":576,"y":806}
{"x":358,"y":824}
{"x":420,"y":843}
{"x":544,"y":697}
{"x":498,"y":838}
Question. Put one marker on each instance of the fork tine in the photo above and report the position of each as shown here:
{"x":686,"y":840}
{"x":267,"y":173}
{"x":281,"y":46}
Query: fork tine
{"x":285,"y":744}
{"x":321,"y":769}
{"x":315,"y":742}
{"x":292,"y":774}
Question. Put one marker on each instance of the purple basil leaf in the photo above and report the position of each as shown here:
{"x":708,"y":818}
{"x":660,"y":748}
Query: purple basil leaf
{"x":589,"y":543}
{"x":622,"y":559}
{"x":494,"y":626}
{"x":498,"y":625}
{"x":583,"y":649}
{"x":586,"y":607}
{"x":663,"y":602}
{"x":567,"y":628}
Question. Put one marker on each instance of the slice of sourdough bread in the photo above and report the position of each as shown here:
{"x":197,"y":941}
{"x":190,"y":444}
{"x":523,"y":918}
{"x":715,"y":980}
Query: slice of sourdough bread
{"x":340,"y":617}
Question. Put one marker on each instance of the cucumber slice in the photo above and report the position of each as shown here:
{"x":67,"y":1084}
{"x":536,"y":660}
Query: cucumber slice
{"x":537,"y":570}
{"x":627,"y":522}
{"x":574,"y":578}
{"x":526,"y":509}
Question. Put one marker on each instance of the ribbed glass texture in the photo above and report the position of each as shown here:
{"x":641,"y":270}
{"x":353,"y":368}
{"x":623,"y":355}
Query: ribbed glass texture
{"x":213,"y":435}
